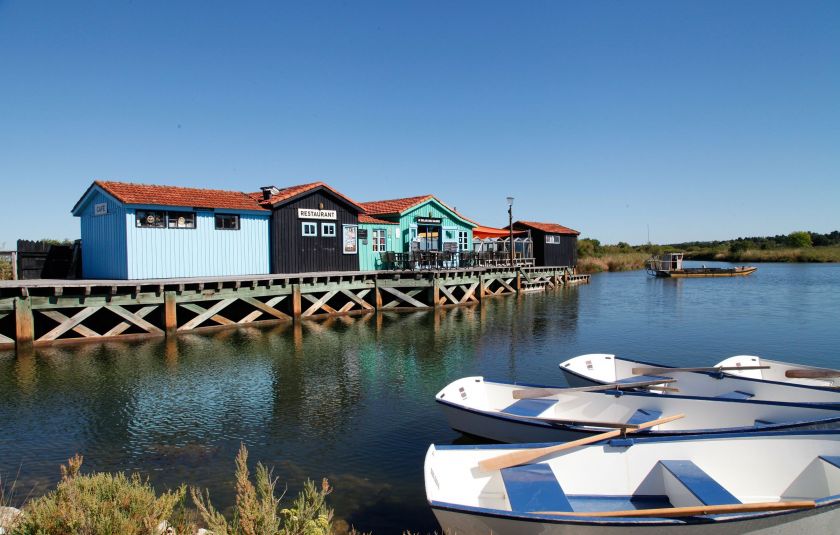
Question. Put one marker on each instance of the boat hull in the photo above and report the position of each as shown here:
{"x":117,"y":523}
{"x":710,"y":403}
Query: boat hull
{"x":706,"y":272}
{"x":462,"y":522}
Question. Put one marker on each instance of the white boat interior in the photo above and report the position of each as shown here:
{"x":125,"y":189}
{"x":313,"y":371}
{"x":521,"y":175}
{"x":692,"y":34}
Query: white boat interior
{"x":770,"y":386}
{"x":652,"y":473}
{"x":776,"y":371}
{"x":589,"y":409}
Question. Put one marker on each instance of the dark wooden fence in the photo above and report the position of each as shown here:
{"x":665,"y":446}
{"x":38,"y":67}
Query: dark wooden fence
{"x":45,"y":260}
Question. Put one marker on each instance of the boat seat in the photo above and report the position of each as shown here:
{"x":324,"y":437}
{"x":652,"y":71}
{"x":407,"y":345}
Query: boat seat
{"x":644,"y":415}
{"x":831,"y":459}
{"x":534,"y":487}
{"x":697,"y":482}
{"x":529,"y":407}
{"x":642,"y":379}
{"x":736,"y":394}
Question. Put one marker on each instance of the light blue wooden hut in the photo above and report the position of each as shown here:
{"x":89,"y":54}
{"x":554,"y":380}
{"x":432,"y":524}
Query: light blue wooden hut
{"x":135,"y":231}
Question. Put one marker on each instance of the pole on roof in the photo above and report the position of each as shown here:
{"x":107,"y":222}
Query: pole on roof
{"x":510,"y":227}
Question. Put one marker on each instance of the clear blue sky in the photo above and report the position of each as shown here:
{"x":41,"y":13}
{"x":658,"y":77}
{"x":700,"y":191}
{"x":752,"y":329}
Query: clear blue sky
{"x":704,"y":120}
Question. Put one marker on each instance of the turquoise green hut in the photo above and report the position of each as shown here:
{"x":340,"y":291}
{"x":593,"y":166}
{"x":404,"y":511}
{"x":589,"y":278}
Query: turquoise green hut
{"x":424,"y":223}
{"x":375,"y":237}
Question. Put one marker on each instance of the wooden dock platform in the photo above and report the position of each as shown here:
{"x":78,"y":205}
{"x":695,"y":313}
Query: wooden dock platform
{"x":42,"y":312}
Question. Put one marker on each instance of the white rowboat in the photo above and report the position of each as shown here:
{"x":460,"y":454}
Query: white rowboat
{"x":598,"y":369}
{"x":489,"y":410}
{"x":766,"y":483}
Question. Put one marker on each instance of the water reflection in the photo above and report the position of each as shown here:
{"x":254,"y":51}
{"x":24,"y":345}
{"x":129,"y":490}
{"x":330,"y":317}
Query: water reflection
{"x":351,"y":398}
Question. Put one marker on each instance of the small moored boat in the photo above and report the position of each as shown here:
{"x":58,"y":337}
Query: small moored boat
{"x":509,"y":412}
{"x":671,"y":265}
{"x":782,"y":372}
{"x":714,"y":381}
{"x":774,"y":483}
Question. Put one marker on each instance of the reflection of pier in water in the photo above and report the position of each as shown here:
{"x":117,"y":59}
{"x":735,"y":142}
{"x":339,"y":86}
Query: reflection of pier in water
{"x":46,"y":312}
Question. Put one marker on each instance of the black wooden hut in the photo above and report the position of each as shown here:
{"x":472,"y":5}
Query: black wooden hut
{"x":313,"y":229}
{"x":554,"y":245}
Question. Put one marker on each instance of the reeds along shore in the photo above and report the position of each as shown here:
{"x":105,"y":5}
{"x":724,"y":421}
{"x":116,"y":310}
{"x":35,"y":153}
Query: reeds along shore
{"x":631,"y":260}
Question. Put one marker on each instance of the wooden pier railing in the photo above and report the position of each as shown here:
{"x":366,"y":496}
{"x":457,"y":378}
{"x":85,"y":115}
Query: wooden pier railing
{"x":40,"y":312}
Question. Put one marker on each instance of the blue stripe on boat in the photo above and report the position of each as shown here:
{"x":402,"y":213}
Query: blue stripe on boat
{"x":699,"y":483}
{"x":737,"y":394}
{"x":644,"y":415}
{"x":533,"y":487}
{"x":763,"y":423}
{"x":642,"y":379}
{"x":831,"y":459}
{"x":529,"y":407}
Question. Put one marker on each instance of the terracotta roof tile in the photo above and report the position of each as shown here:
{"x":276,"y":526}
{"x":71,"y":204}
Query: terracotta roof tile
{"x":394,"y":206}
{"x":130,"y":193}
{"x":363,"y":218}
{"x":285,"y":194}
{"x":551,"y":228}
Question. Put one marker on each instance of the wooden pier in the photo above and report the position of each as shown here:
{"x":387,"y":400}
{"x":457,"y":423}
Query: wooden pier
{"x":43,"y":312}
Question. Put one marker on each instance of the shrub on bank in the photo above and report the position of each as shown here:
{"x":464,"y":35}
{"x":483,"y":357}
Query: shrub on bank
{"x":612,"y":262}
{"x":117,"y":504}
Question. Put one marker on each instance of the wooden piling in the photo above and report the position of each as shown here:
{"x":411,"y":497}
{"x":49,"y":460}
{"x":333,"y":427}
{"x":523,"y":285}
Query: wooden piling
{"x":170,"y":313}
{"x":296,"y":302}
{"x":435,"y":291}
{"x":24,"y":324}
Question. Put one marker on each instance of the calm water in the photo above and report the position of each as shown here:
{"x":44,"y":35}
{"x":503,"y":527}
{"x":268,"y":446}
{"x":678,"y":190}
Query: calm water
{"x":352,"y":399}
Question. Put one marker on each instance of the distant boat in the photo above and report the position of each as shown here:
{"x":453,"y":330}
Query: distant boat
{"x":601,"y":369}
{"x":509,"y":412}
{"x":774,"y":483}
{"x":671,"y":265}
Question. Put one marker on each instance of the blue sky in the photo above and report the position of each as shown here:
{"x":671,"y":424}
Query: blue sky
{"x":703,"y":120}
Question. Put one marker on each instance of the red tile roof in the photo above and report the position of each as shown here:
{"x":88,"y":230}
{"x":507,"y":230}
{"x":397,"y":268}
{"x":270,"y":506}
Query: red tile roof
{"x":129,"y":193}
{"x":285,"y":194}
{"x":398,"y":206}
{"x":363,"y":218}
{"x":394,"y":206}
{"x":551,"y":228}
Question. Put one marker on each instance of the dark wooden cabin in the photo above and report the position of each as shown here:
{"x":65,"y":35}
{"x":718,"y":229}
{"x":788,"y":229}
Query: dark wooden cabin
{"x":313,"y":229}
{"x":554,"y":245}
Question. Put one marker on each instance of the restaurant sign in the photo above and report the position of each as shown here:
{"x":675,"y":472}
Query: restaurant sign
{"x":428,"y":220}
{"x":310,"y":213}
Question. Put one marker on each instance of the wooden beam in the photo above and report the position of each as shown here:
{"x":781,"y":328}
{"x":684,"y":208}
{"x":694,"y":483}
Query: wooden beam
{"x":124,"y":325}
{"x":170,"y":312}
{"x":61,"y":318}
{"x":318,"y":304}
{"x":296,"y":303}
{"x":69,"y":323}
{"x":204,"y":315}
{"x":447,"y":295}
{"x":135,"y":318}
{"x":407,"y":297}
{"x":24,"y":323}
{"x":267,"y":308}
{"x":358,"y":298}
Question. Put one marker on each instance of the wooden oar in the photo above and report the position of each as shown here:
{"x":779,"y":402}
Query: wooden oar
{"x":530,"y":393}
{"x":587,"y":423}
{"x":671,"y":512}
{"x":802,"y":373}
{"x":516,"y":458}
{"x":654,"y":370}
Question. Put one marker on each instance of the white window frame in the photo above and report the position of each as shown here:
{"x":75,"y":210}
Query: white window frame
{"x":313,"y":225}
{"x":463,"y":240}
{"x":235,"y":217}
{"x":377,"y":235}
{"x":331,"y":227}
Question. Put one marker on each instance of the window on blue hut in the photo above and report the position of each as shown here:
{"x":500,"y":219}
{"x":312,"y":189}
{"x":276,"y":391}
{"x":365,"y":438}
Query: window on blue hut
{"x":463,"y":240}
{"x":180,"y":219}
{"x":227,"y":222}
{"x":149,"y":219}
{"x":379,"y":241}
{"x":328,"y":230}
{"x":309,"y":228}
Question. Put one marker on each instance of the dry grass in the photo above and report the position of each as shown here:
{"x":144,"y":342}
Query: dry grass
{"x":5,"y":270}
{"x":612,"y":262}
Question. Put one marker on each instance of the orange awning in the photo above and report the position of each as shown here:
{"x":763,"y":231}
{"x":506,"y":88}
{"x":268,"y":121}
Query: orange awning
{"x":490,"y":232}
